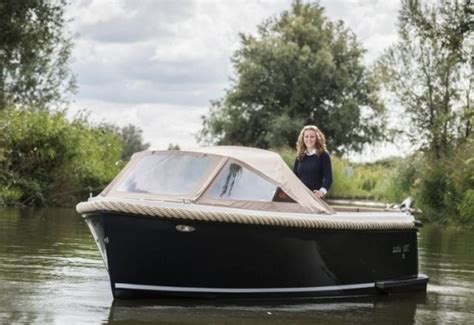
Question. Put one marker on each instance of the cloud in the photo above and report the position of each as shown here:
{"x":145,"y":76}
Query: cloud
{"x":161,"y":124}
{"x":176,"y":52}
{"x":373,"y":22}
{"x":129,"y":21}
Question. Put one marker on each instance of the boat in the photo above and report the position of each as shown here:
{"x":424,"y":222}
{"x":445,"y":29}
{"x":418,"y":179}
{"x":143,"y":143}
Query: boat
{"x":235,"y":222}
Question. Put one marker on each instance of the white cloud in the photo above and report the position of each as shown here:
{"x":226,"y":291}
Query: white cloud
{"x":168,"y":123}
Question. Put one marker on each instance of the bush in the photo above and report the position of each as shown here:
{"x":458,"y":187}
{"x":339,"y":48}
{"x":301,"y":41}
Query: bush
{"x":48,"y":160}
{"x":444,"y":190}
{"x":398,"y":184}
{"x":431,"y":190}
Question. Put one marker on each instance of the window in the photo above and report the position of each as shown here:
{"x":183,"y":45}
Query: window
{"x":236,"y":182}
{"x":281,"y":196}
{"x":169,"y":174}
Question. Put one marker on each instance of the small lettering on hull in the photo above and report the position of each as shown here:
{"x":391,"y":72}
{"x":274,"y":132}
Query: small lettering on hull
{"x":401,"y":249}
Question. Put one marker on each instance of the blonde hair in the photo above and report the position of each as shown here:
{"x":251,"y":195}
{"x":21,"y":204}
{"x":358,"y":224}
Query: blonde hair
{"x":320,"y":144}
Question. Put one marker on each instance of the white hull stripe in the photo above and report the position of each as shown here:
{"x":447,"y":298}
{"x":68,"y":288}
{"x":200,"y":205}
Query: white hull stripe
{"x":242,"y":290}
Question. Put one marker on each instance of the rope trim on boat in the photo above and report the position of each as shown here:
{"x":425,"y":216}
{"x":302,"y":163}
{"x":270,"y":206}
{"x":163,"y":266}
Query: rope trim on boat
{"x":239,"y":218}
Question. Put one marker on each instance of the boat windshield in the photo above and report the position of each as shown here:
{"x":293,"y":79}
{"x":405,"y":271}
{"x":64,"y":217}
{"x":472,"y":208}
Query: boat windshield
{"x":236,"y":182}
{"x":167,"y":174}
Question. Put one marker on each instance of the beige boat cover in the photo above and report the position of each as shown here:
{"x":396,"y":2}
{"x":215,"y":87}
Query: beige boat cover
{"x":274,"y":168}
{"x":266,"y":163}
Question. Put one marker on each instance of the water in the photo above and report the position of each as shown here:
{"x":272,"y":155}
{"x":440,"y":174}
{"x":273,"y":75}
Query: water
{"x":51,"y":273}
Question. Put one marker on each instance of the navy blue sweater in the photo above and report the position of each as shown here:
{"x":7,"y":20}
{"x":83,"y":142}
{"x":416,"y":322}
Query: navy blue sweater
{"x":314,"y":171}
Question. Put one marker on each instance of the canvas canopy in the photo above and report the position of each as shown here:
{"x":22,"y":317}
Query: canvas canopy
{"x":233,"y":176}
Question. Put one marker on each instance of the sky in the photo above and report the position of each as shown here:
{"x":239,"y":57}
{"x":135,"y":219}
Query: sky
{"x":157,"y":64}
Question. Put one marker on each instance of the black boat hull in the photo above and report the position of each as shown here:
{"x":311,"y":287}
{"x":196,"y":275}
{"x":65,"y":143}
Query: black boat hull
{"x":149,"y":256}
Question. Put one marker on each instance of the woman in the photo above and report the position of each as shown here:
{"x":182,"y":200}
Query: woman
{"x":313,"y":163}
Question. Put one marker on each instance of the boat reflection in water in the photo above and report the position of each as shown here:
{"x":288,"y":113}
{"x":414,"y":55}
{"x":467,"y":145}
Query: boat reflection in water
{"x":360,"y":310}
{"x":235,"y":222}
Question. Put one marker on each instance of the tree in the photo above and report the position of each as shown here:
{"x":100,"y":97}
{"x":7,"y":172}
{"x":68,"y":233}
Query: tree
{"x":300,"y":69}
{"x":34,"y":53}
{"x":173,"y":147}
{"x":429,"y":71}
{"x":130,"y":137}
{"x":132,"y":141}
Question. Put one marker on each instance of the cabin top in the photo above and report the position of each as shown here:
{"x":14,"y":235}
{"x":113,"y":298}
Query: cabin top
{"x":231,"y":176}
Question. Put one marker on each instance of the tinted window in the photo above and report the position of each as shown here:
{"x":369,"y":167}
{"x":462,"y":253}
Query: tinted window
{"x":173,"y":174}
{"x":236,"y":182}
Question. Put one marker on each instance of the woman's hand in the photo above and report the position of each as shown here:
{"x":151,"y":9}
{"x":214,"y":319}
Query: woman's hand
{"x":318,"y":194}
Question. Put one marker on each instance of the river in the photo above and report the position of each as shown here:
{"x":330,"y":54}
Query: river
{"x":51,"y":273}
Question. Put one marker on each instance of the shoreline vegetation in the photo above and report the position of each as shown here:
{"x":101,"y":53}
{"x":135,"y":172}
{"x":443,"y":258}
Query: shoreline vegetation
{"x":442,"y":189}
{"x":47,"y":160}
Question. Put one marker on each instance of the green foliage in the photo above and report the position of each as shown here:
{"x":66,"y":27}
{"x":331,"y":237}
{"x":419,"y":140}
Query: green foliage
{"x":354,"y":181}
{"x":44,"y":158}
{"x":47,"y":160}
{"x":281,"y":129}
{"x":288,"y":155}
{"x":34,"y":53}
{"x":132,"y":141}
{"x":173,"y":147}
{"x":300,"y":69}
{"x":363,"y":181}
{"x":9,"y":196}
{"x":397,"y":179}
{"x":429,"y":71}
{"x":131,"y":138}
{"x":444,"y":190}
{"x":431,"y":190}
{"x":465,"y":183}
{"x":344,"y":180}
{"x":466,"y":207}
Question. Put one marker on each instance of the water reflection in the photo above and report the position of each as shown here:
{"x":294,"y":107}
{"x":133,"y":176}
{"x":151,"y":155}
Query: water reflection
{"x":400,"y":309}
{"x":51,"y":272}
{"x":447,"y":255}
{"x":49,"y":267}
